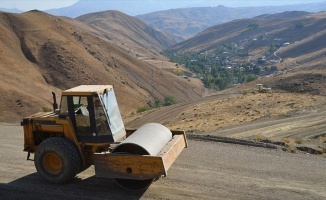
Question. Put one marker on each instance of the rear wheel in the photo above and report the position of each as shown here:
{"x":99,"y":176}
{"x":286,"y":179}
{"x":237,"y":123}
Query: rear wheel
{"x":57,"y":160}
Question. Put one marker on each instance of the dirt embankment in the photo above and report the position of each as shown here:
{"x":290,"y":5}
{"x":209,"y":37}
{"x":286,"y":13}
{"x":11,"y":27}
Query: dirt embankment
{"x":294,"y":120}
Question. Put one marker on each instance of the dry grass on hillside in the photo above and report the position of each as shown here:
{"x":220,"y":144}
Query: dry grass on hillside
{"x":217,"y":114}
{"x":130,"y":33}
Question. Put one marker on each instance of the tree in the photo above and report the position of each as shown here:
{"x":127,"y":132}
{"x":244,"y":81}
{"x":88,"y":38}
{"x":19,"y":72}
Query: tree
{"x":256,"y":70}
{"x":250,"y":77}
{"x":299,"y":24}
{"x":252,"y":26}
{"x":274,"y":68}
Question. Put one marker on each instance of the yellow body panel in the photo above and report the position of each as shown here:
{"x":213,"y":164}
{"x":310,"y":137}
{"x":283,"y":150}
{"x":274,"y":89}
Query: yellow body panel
{"x":128,"y":166}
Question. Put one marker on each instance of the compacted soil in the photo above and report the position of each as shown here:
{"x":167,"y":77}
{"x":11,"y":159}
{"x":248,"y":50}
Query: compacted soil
{"x":205,"y":170}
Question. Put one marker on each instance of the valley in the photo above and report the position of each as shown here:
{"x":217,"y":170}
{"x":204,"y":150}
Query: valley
{"x":243,"y":50}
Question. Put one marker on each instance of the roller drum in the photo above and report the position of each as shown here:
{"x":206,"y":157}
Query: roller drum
{"x":149,"y":139}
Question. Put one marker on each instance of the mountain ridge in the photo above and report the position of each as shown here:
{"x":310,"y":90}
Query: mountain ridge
{"x":274,"y":25}
{"x":185,"y":21}
{"x":129,"y":32}
{"x":177,"y":21}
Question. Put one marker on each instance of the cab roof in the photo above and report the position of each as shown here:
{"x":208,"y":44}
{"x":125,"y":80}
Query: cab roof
{"x":87,"y":89}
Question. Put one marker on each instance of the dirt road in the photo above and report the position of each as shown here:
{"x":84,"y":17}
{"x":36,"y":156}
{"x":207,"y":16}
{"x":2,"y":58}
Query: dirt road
{"x":307,"y":127}
{"x":164,"y":114}
{"x":206,"y":170}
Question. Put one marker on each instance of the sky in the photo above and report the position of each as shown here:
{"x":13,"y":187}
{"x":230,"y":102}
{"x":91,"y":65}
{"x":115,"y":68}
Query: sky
{"x":26,"y":5}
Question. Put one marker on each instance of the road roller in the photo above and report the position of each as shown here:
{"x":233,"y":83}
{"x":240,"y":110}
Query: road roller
{"x":87,"y":129}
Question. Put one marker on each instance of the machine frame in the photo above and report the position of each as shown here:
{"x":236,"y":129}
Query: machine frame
{"x":94,"y":145}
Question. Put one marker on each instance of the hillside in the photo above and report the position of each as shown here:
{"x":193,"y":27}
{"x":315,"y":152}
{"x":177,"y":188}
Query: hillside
{"x":40,"y":53}
{"x":278,"y":28}
{"x":130,"y":33}
{"x":187,"y":22}
{"x":290,"y":43}
{"x":276,"y":37}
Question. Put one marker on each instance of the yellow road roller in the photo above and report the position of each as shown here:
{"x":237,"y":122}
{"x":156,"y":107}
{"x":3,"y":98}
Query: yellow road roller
{"x":87,"y":130}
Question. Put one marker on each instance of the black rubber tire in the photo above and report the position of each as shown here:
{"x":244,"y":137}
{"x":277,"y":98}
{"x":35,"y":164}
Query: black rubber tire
{"x":68,"y":157}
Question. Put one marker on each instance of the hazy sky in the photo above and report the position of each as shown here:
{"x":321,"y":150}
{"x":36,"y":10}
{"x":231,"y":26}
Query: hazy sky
{"x":48,"y":4}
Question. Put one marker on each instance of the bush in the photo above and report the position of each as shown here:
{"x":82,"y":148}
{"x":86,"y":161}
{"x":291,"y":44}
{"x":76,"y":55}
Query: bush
{"x":169,"y":100}
{"x":245,"y":92}
{"x":274,"y":68}
{"x":299,"y":24}
{"x":177,"y":72}
{"x":46,"y":109}
{"x":252,"y":26}
{"x":142,"y":109}
{"x":250,"y":78}
{"x":299,"y":141}
{"x":157,"y":104}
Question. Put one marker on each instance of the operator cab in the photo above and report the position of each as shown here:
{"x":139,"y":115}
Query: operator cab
{"x":94,"y":113}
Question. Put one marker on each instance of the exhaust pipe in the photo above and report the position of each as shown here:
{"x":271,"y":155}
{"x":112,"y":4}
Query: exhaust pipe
{"x":55,"y":105}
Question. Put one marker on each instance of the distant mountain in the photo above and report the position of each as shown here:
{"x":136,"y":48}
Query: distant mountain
{"x":254,"y":33}
{"x":130,"y":7}
{"x":40,"y":53}
{"x":283,"y":15}
{"x":187,"y":22}
{"x":10,"y":10}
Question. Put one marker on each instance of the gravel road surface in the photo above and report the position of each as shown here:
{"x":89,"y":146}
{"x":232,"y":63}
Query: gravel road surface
{"x":205,"y":170}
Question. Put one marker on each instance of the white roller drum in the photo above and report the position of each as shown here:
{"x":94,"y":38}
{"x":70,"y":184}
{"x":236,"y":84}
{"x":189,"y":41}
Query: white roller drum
{"x":149,"y":139}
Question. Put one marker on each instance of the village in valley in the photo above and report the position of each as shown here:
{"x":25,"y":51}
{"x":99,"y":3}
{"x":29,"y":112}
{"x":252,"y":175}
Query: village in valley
{"x":232,"y":63}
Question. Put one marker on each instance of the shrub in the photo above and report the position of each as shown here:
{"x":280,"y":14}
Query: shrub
{"x":252,"y":26}
{"x":258,"y":138}
{"x":157,"y":104}
{"x":177,"y":72}
{"x":299,"y":24}
{"x":250,"y":77}
{"x":274,"y":68}
{"x":46,"y":109}
{"x":169,"y":100}
{"x":298,"y":141}
{"x":142,"y":109}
